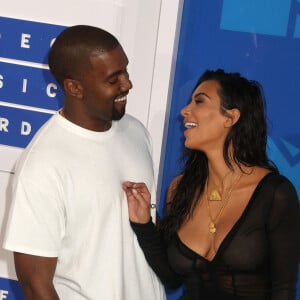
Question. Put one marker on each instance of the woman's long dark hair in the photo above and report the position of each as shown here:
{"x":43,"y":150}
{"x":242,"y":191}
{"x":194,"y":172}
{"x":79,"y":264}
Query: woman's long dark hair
{"x":248,"y":138}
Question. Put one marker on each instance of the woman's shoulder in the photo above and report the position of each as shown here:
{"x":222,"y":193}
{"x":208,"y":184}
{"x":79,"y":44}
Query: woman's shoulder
{"x":276,"y":186}
{"x":267,"y":177}
{"x":173,"y":184}
{"x":259,"y":176}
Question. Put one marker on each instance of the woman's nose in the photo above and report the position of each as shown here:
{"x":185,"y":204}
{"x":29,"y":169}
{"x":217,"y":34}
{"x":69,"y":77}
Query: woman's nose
{"x":184,"y":112}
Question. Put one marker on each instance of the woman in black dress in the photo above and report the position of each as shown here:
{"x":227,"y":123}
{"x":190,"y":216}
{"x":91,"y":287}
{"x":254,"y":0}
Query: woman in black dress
{"x":232,"y":224}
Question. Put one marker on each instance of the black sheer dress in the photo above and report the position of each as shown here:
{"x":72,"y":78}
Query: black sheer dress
{"x":257,"y":260}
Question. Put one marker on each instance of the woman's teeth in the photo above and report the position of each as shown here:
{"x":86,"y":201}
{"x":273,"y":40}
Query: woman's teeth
{"x":190,"y":125}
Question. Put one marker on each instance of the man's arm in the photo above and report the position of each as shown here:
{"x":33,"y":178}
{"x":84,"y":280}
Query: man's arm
{"x":35,"y":274}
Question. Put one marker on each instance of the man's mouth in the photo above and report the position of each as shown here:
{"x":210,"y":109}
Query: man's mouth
{"x":121,"y":99}
{"x":190,"y":125}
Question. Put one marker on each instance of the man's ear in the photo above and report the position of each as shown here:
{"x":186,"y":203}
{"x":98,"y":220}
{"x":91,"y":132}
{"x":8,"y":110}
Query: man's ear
{"x":232,"y":116}
{"x":73,"y":88}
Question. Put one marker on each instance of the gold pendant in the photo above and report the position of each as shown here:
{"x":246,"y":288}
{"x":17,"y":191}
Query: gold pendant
{"x":215,"y":195}
{"x":212,"y":227}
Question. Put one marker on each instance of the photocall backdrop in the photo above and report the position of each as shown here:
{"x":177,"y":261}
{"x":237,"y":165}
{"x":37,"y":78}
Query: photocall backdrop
{"x":261,"y":40}
{"x":26,"y":85}
{"x":29,"y":94}
{"x":258,"y":38}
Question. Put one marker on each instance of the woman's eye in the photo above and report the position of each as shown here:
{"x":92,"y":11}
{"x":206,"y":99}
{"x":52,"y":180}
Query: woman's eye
{"x":198,"y":101}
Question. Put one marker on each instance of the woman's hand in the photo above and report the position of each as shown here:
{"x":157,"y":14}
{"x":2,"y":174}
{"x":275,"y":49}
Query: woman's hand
{"x":138,"y":200}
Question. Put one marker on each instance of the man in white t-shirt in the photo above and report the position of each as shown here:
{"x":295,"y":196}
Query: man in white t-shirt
{"x":68,"y":225}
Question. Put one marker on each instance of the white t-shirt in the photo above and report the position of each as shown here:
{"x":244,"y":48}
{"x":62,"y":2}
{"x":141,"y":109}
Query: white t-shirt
{"x":68,"y":203}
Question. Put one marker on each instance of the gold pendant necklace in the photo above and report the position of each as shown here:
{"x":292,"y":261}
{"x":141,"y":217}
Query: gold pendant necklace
{"x":213,"y":220}
{"x":212,"y":227}
{"x":215,"y":195}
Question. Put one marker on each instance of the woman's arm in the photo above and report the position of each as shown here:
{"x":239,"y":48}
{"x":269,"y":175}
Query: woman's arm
{"x":155,"y":253}
{"x":284,"y":237}
{"x":150,"y":240}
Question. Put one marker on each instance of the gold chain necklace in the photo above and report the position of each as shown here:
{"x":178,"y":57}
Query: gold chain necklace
{"x":215,"y":194}
{"x":213,"y":220}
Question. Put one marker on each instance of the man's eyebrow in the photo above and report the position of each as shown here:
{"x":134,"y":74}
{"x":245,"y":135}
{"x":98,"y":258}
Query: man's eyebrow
{"x":115,"y":73}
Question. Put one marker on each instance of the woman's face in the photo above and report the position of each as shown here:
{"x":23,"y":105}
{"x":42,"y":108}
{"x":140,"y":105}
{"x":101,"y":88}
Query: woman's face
{"x":206,"y":127}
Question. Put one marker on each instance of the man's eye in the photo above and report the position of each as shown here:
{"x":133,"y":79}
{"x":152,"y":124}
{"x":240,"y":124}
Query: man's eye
{"x":113,"y":80}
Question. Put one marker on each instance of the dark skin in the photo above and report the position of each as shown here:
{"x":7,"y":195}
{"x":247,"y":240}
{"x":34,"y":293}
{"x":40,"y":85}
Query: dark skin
{"x":91,"y":102}
{"x":35,"y":274}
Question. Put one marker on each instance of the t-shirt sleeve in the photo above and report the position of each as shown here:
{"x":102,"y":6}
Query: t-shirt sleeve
{"x":284,"y":235}
{"x":155,"y":253}
{"x":36,"y":223}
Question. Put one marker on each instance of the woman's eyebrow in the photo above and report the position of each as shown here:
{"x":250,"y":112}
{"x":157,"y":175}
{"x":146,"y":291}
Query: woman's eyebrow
{"x":201,"y":94}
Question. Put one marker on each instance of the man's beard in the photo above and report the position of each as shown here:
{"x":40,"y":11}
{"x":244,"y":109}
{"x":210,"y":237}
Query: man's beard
{"x":117,"y":114}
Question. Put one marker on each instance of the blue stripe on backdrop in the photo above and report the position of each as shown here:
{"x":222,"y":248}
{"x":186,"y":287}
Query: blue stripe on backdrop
{"x":26,"y":40}
{"x":18,"y":126}
{"x":25,"y":81}
{"x":237,"y":36}
{"x":10,"y":290}
{"x":29,"y":86}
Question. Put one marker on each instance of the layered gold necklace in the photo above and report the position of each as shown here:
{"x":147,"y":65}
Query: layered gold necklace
{"x":225,"y":197}
{"x":215,"y":193}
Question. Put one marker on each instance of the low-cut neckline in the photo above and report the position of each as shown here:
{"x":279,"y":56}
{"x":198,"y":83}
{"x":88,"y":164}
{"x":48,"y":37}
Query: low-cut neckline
{"x":234,"y":228}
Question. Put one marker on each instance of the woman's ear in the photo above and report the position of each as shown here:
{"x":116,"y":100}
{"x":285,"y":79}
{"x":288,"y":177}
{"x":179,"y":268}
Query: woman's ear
{"x":232,"y":116}
{"x":73,"y":88}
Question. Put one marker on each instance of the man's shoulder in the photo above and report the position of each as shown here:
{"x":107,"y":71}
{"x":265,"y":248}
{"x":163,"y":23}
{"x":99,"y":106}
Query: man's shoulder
{"x":132,"y":119}
{"x":133,"y":122}
{"x":42,"y":146}
{"x":134,"y":129}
